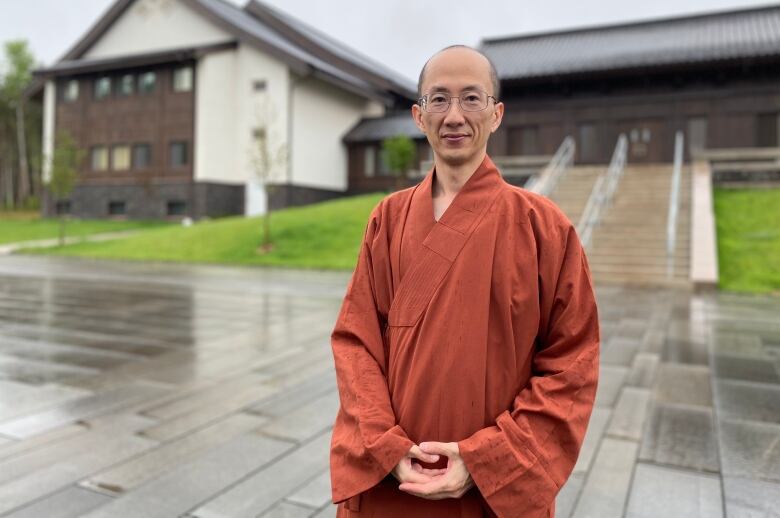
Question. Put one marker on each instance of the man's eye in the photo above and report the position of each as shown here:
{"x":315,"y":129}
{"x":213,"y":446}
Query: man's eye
{"x":472,"y":98}
{"x":438,"y":99}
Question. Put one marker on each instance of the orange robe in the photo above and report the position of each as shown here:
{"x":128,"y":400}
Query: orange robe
{"x":480,"y":328}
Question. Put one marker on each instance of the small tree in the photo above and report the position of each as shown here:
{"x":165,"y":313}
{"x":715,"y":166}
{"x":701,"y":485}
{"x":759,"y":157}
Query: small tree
{"x":268,"y":154}
{"x":399,"y":152}
{"x":65,"y":163}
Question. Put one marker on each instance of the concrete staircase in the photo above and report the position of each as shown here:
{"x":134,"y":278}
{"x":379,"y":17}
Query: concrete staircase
{"x":629,"y":246}
{"x":573,"y":189}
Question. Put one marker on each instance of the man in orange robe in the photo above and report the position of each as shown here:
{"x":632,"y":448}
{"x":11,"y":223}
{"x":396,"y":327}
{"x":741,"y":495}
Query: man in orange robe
{"x":467,"y":346}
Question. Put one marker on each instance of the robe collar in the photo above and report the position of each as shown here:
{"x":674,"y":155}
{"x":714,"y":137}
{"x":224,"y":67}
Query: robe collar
{"x":471,"y":198}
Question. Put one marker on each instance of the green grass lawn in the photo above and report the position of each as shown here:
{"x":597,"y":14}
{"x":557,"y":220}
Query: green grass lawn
{"x":748,"y":224}
{"x":17,"y":226}
{"x":324,"y":235}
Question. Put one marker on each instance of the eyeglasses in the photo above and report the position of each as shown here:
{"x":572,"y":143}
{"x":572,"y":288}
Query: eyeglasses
{"x":470,"y":101}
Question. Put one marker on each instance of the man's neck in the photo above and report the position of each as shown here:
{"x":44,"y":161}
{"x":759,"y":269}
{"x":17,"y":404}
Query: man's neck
{"x":450,"y":178}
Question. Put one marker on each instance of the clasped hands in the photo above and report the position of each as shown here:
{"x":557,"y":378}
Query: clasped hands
{"x":433,"y":484}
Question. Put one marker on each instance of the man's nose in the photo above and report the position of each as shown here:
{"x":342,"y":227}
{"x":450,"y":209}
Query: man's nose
{"x":454,"y":112}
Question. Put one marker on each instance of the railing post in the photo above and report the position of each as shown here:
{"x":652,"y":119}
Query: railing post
{"x":674,"y":203}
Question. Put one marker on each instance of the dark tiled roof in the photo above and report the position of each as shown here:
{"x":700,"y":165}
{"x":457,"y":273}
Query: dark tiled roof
{"x":362,"y":76}
{"x":380,"y":128}
{"x":716,"y":37}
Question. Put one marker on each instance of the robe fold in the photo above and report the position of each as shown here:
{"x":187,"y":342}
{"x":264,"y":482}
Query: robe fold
{"x":480,"y":328}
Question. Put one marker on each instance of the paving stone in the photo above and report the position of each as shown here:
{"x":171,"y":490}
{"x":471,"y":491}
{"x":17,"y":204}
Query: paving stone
{"x":681,"y":436}
{"x":596,"y":426}
{"x":63,"y":448}
{"x":750,"y":401}
{"x":81,"y":408}
{"x":329,"y":511}
{"x":684,"y":351}
{"x":750,"y":449}
{"x":683,"y":384}
{"x":657,"y":491}
{"x":611,"y":379}
{"x":259,"y":492}
{"x":628,"y":418}
{"x":746,"y":498}
{"x":747,"y":369}
{"x":738,"y":344}
{"x":22,"y":398}
{"x":284,"y":402}
{"x":606,"y":488}
{"x":186,"y":486}
{"x":288,"y":510}
{"x":55,"y":477}
{"x":186,"y":423}
{"x":316,"y":493}
{"x":39,"y":372}
{"x":643,"y":370}
{"x":307,"y":420}
{"x":653,"y":342}
{"x":124,"y":477}
{"x":619,"y":351}
{"x":71,"y":502}
{"x":568,"y":495}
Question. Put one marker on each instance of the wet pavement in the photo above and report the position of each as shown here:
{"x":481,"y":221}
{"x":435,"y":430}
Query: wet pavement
{"x":143,"y":390}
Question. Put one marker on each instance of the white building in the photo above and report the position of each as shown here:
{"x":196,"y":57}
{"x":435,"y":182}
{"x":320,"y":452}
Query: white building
{"x":171,"y":100}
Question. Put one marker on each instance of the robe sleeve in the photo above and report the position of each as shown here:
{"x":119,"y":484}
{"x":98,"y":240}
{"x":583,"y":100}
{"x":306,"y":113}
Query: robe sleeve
{"x":367,"y":442}
{"x":520,"y":463}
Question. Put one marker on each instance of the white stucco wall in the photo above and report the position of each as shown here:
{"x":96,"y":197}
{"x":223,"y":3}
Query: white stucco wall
{"x":49,"y":111}
{"x":322,"y":114}
{"x":215,"y":118}
{"x":152,"y":25}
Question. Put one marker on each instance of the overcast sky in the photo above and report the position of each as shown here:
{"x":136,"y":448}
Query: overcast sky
{"x":399,"y":33}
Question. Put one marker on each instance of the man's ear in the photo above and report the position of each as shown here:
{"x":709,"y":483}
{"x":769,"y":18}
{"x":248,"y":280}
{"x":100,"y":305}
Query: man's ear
{"x":417,"y":116}
{"x":498,"y":116}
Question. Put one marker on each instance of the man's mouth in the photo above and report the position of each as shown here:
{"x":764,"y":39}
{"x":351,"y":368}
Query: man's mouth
{"x":455,"y":137}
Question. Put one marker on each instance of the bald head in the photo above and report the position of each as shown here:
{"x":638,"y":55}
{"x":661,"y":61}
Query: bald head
{"x":489,"y":67}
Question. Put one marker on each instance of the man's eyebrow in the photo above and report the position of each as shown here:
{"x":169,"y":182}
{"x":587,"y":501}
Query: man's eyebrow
{"x":438,"y":88}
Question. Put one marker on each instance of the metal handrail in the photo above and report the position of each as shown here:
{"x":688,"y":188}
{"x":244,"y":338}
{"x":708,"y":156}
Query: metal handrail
{"x":674,"y":203}
{"x":603,"y":190}
{"x":545,"y":182}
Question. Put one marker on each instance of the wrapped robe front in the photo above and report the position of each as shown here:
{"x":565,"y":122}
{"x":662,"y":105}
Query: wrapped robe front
{"x":480,"y":329}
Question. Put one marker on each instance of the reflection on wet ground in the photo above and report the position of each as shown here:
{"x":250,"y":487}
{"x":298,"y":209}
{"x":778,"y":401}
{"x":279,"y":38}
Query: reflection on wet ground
{"x":143,"y":390}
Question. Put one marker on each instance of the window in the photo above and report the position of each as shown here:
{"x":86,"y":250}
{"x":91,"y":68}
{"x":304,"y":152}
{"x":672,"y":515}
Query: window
{"x":523,"y":140}
{"x":127,"y":85}
{"x":767,"y":129}
{"x":99,"y":158}
{"x":588,"y":145}
{"x":102,"y":87}
{"x":120,"y":157}
{"x":178,"y":154}
{"x":117,"y":208}
{"x":384,"y":164}
{"x":142,"y":156}
{"x":62,"y":207}
{"x":71,"y":91}
{"x":176,"y":208}
{"x":369,"y":161}
{"x":182,"y":79}
{"x":147,"y":82}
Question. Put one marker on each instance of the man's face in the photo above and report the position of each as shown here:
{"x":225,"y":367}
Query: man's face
{"x":458,"y":136}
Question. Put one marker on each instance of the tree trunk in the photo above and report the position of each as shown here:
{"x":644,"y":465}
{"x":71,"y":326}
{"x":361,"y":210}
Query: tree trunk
{"x":62,"y":229}
{"x":21,"y":139}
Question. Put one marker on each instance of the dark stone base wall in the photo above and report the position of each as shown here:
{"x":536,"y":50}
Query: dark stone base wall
{"x":284,"y":195}
{"x":151,"y":201}
{"x":737,"y":176}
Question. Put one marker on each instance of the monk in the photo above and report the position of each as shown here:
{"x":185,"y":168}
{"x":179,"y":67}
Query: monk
{"x":467,"y":345}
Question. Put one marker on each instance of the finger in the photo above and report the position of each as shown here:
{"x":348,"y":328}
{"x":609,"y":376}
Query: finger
{"x":433,"y":472}
{"x":414,"y":477}
{"x":438,"y":448}
{"x":417,"y":453}
{"x":432,"y":487}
